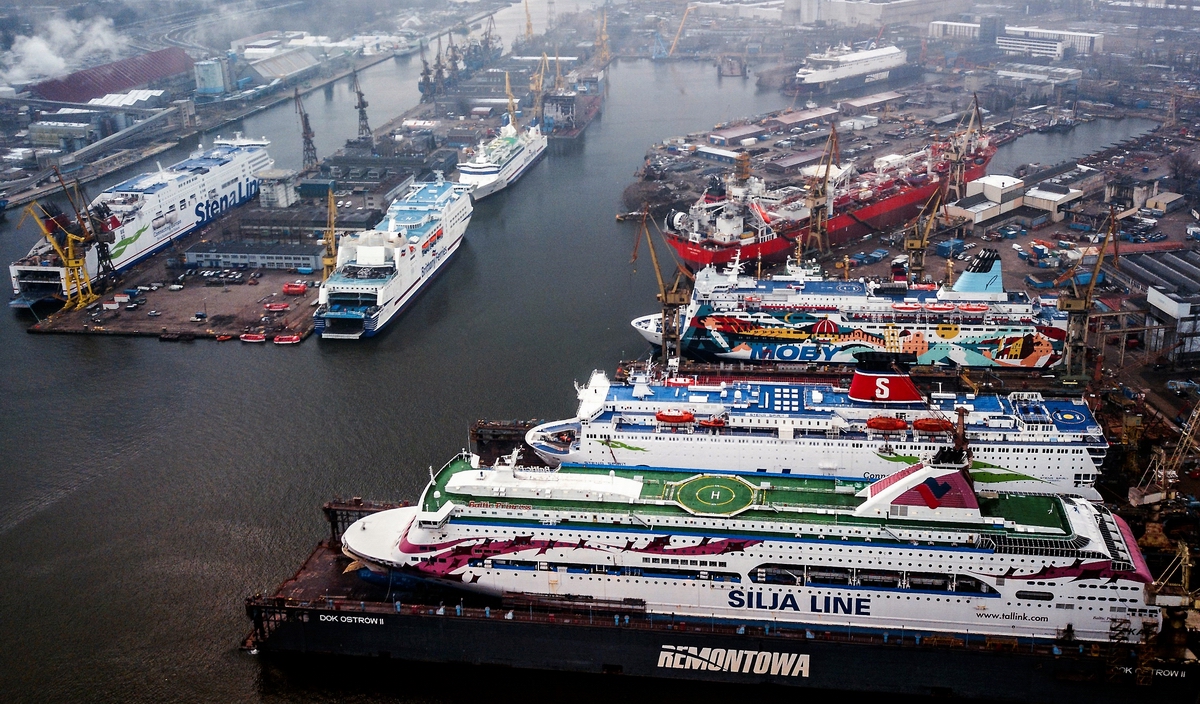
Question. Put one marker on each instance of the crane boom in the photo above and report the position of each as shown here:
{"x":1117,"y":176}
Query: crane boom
{"x":306,"y":133}
{"x":679,"y":32}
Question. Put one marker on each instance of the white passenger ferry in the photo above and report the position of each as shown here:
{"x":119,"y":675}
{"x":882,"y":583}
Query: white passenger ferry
{"x":917,"y":553}
{"x":881,"y":423}
{"x":379,"y":271}
{"x":498,"y":164}
{"x":140,"y":216}
{"x":840,"y":68}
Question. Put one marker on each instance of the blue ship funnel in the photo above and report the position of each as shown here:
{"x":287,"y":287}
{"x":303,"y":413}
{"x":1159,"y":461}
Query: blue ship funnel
{"x":983,"y":274}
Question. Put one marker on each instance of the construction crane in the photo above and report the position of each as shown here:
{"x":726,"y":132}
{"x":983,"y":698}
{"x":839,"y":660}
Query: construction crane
{"x":439,"y":73}
{"x":528,"y":23}
{"x":558,"y":77}
{"x":673,"y":299}
{"x":1163,"y":470}
{"x":426,"y":85}
{"x":818,"y":197}
{"x":70,"y":243}
{"x":1078,"y":306}
{"x":603,"y":54}
{"x":549,"y":14}
{"x":364,"y":127}
{"x":512,"y":105}
{"x":960,"y":148}
{"x":306,"y":133}
{"x":329,"y":259}
{"x":679,"y":32}
{"x":917,"y":241}
{"x":537,"y":86}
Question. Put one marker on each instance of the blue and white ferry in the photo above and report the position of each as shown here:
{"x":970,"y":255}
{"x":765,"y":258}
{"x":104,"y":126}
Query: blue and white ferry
{"x":379,"y":271}
{"x":879,"y":424}
{"x":140,"y":216}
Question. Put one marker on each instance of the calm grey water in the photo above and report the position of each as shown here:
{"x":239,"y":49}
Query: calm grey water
{"x":147,"y":488}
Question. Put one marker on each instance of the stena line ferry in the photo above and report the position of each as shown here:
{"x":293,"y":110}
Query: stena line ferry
{"x":880,"y":424}
{"x":380,"y":271}
{"x":140,"y":216}
{"x":920,"y":552}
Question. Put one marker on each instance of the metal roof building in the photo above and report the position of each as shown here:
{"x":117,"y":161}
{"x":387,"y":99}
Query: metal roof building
{"x":116,"y":77}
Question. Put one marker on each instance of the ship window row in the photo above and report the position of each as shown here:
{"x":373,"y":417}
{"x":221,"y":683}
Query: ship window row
{"x":826,"y":575}
{"x":674,"y":561}
{"x":609,"y":570}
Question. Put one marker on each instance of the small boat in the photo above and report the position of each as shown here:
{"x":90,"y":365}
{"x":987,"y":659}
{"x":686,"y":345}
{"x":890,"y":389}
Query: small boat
{"x":933,"y":425}
{"x":714,"y":422}
{"x":679,"y":381}
{"x":887,"y":423}
{"x":674,"y":415}
{"x":973,"y":307}
{"x":224,"y":338}
{"x":253,"y":337}
{"x":939,"y":307}
{"x":286,"y":339}
{"x":906,"y":307}
{"x":276,"y":307}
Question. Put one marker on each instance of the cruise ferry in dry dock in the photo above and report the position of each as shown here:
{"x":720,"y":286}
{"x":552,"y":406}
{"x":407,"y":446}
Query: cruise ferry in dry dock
{"x":881,"y":423}
{"x":801,"y":317}
{"x":920,"y":552}
{"x":840,"y":69}
{"x":380,"y":271}
{"x":144,"y":214}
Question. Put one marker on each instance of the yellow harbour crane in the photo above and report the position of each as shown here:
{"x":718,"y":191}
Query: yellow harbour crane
{"x":329,"y":259}
{"x":917,"y":240}
{"x":1078,"y":307}
{"x":528,"y":23}
{"x":70,"y":249}
{"x":537,"y":86}
{"x":603,"y":54}
{"x":512,"y":105}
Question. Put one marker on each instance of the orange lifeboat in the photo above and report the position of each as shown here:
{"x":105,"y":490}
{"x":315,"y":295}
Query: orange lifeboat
{"x":680,"y":381}
{"x":714,"y":422}
{"x":933,"y":425}
{"x":674,"y":415}
{"x":906,"y":307}
{"x":939,"y":307}
{"x":887,"y":423}
{"x":973,"y":307}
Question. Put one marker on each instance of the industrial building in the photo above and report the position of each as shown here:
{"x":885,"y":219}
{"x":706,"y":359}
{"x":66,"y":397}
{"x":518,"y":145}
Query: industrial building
{"x":1030,"y":41}
{"x":890,"y":12}
{"x":1031,"y":46}
{"x":252,"y":255}
{"x":1171,"y":281}
{"x":734,"y":136}
{"x":143,"y":71}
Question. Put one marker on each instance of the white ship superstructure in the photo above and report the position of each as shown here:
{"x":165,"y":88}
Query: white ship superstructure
{"x":498,"y":163}
{"x":881,"y":423}
{"x":142,"y":215}
{"x":839,"y":66}
{"x":919,"y":553}
{"x":379,"y":271}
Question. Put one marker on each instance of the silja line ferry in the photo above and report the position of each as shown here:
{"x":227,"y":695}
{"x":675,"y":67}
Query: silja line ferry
{"x":921,"y":551}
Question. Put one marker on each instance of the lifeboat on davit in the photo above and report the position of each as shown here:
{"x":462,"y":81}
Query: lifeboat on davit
{"x":906,"y":307}
{"x":674,"y":415}
{"x":939,"y":307}
{"x":887,"y":423}
{"x":714,"y":422}
{"x":933,"y":425}
{"x":973,"y":307}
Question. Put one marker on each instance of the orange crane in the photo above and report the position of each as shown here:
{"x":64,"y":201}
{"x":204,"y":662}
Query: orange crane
{"x":679,"y":32}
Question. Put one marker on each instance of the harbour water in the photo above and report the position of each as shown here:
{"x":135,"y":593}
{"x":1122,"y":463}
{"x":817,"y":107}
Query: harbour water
{"x":147,"y":488}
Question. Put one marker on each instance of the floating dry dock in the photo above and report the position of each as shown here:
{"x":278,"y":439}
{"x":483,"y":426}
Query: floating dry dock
{"x":320,"y":610}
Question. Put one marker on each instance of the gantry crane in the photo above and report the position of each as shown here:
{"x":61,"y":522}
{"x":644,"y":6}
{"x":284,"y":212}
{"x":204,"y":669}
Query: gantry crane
{"x":1078,"y":307}
{"x":917,"y":240}
{"x":364,"y":127}
{"x":306,"y":133}
{"x":329,"y":259}
{"x":679,"y":32}
{"x":818,"y":197}
{"x":1163,"y":470}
